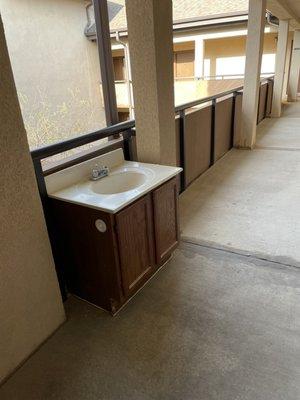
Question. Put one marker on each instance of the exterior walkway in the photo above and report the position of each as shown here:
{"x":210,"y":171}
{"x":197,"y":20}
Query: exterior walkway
{"x":249,"y":201}
{"x":211,"y":325}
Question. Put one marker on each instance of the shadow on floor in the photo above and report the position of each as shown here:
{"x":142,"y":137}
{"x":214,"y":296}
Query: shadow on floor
{"x":210,"y":325}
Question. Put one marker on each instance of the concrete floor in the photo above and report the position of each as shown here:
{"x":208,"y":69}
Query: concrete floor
{"x":281,"y":133}
{"x":249,"y":201}
{"x":211,"y":325}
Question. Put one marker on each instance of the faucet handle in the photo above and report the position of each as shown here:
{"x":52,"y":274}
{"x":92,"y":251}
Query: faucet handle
{"x":95,"y":171}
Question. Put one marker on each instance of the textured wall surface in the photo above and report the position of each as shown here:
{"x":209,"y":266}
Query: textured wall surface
{"x":151,"y":48}
{"x":56,"y":69}
{"x":30,"y":302}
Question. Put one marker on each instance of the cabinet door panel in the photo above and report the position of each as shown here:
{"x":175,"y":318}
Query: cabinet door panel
{"x":136,"y":249}
{"x":165,"y":207}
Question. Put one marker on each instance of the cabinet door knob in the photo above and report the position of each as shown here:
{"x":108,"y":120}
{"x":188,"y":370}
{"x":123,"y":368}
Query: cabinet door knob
{"x":100,"y":225}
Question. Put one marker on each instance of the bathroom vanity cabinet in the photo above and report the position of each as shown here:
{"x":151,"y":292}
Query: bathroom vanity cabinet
{"x":107,"y":257}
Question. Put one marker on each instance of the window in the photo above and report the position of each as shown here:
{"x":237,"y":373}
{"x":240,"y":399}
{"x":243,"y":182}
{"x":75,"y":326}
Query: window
{"x":184,"y":64}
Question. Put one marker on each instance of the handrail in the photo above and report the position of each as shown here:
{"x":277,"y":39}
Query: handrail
{"x":127,"y":130}
{"x":59,"y":147}
{"x":236,"y":76}
{"x":194,"y":103}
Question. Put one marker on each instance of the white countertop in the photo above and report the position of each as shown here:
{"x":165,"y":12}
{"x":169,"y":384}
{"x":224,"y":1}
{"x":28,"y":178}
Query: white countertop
{"x":73,"y":184}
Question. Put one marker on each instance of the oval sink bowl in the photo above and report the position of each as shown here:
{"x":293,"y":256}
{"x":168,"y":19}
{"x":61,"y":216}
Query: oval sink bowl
{"x":118,"y":182}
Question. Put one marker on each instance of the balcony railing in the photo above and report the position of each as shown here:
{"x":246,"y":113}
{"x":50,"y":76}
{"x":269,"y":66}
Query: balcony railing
{"x":205,"y":131}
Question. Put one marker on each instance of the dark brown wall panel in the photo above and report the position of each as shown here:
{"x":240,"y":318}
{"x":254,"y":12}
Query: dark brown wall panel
{"x":238,"y":117}
{"x":197,"y":142}
{"x":223,"y":127}
{"x":262,"y":102}
{"x":270,"y":96}
{"x":177,"y":127}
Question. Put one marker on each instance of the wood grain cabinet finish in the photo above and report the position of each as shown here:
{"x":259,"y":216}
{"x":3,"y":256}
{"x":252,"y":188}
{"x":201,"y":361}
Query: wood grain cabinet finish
{"x":107,"y":267}
{"x":134,"y":227}
{"x":165,"y":211}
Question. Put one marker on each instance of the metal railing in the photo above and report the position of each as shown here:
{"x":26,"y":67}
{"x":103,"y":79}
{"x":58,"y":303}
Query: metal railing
{"x":181,"y":110}
{"x":233,"y":76}
{"x":124,"y":128}
{"x":127,"y":130}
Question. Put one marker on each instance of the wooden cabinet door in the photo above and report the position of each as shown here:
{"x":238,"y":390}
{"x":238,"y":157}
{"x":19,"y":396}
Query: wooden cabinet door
{"x":165,"y":210}
{"x":136,"y":244}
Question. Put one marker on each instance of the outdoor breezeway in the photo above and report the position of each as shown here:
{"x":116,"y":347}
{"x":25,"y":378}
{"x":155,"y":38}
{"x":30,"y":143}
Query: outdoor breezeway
{"x":248,"y":202}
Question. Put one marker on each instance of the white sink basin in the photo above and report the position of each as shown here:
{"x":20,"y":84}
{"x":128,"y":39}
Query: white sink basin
{"x":126,"y":182}
{"x":119,"y":182}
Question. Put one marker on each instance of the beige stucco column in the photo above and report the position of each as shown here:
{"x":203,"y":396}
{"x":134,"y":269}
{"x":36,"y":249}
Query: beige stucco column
{"x":287,"y":67}
{"x":295,"y":68}
{"x":30,"y":306}
{"x":199,"y":58}
{"x":283,"y":32}
{"x":254,"y":48}
{"x":150,"y":38}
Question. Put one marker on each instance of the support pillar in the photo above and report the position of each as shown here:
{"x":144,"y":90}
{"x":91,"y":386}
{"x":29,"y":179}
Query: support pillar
{"x":106,"y":62}
{"x":283,"y":33}
{"x":295,"y":68}
{"x":288,"y":60}
{"x":199,"y":58}
{"x":150,"y":35}
{"x":213,"y":66}
{"x":254,"y":49}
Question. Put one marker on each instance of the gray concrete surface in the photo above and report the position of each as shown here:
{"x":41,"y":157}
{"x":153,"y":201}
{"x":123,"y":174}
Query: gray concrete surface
{"x":250,"y":200}
{"x":281,"y":133}
{"x":211,"y":325}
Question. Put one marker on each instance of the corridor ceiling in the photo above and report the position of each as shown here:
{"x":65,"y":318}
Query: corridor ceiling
{"x":286,"y":9}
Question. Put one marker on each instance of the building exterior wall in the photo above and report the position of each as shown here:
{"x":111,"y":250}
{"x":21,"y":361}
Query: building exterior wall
{"x":222,"y":56}
{"x":56,"y":69}
{"x":30,"y":301}
{"x":227,"y":55}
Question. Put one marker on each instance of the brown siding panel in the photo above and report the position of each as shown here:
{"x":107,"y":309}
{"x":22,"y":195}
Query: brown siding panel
{"x":270,"y":96}
{"x":197,"y":143}
{"x":177,"y":139}
{"x":238,"y":117}
{"x":262,"y":102}
{"x":223,"y":127}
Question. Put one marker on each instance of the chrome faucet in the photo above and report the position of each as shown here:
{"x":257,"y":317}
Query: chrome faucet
{"x":99,"y":171}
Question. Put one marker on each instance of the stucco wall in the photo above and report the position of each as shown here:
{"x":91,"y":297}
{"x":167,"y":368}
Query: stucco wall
{"x":30,"y":302}
{"x":55,"y":67}
{"x":230,"y":52}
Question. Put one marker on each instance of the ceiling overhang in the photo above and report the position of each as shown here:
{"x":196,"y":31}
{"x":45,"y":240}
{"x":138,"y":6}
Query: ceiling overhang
{"x":286,"y":9}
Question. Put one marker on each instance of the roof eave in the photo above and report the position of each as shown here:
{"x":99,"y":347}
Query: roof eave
{"x":190,"y":24}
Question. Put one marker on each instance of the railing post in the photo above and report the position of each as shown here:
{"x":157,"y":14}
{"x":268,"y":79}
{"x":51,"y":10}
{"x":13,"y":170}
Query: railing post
{"x":212,"y":132}
{"x":269,"y":94}
{"x":233,"y":118}
{"x":266,"y":102}
{"x":127,"y":145}
{"x":182,"y":150}
{"x":44,"y":198}
{"x":40,"y":181}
